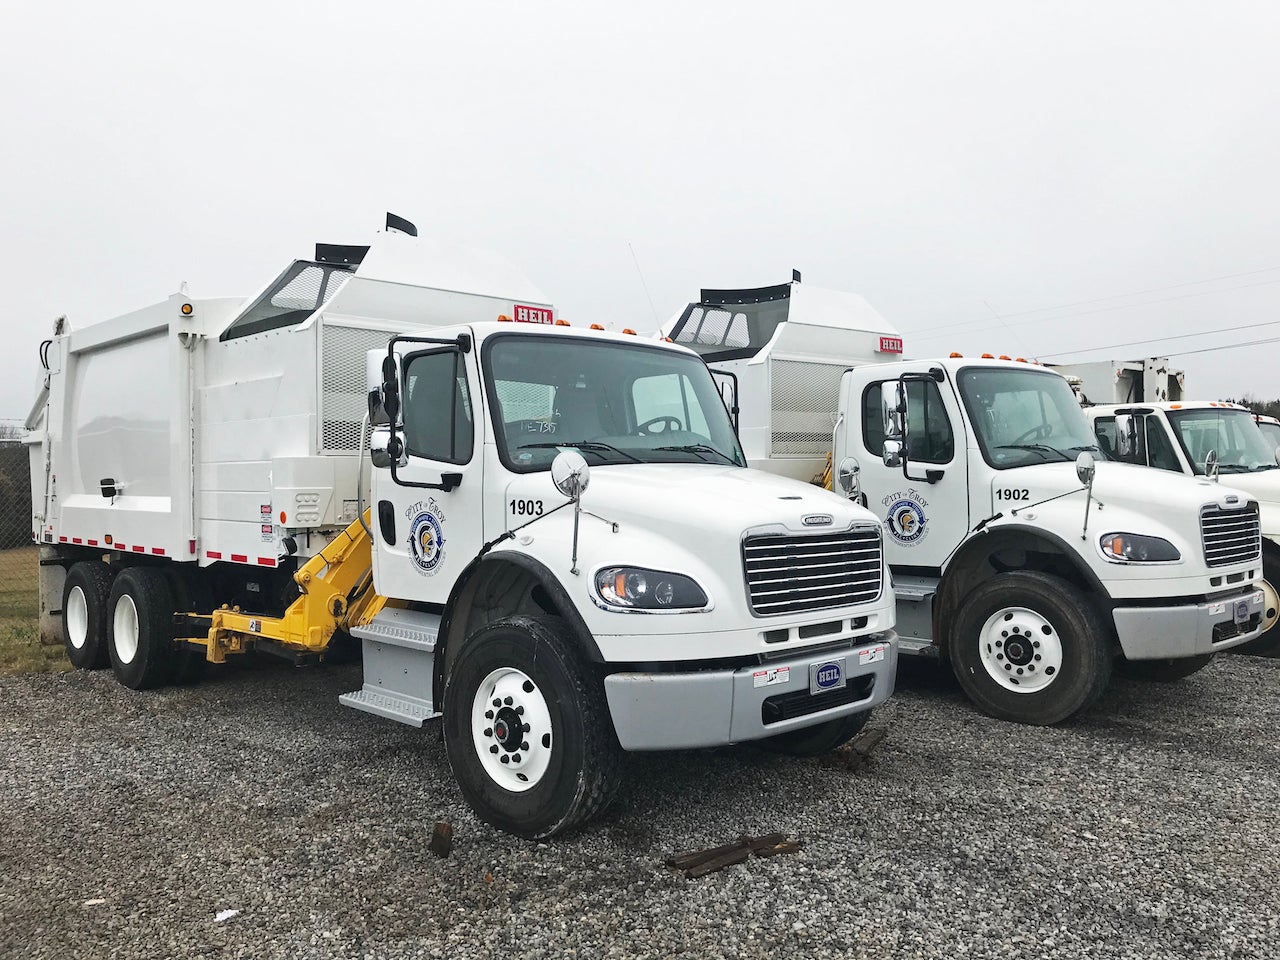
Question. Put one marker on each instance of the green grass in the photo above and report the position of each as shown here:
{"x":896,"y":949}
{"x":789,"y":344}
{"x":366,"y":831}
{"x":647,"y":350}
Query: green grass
{"x":20,"y":648}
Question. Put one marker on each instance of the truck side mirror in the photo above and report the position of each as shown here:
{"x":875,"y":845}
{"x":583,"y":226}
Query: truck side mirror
{"x":570,"y":473}
{"x":1085,"y":468}
{"x":373,"y":387}
{"x":390,"y":389}
{"x":849,"y":476}
{"x":379,"y":448}
{"x":893,"y":407}
{"x":1126,"y":434}
{"x":1211,"y":466}
{"x":892,"y":453}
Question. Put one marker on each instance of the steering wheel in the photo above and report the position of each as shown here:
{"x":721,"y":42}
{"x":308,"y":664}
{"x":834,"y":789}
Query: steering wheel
{"x":671,"y":423}
{"x":1040,"y":432}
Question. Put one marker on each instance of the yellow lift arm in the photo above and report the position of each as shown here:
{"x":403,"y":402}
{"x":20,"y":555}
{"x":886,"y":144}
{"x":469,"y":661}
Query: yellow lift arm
{"x":337,"y":594}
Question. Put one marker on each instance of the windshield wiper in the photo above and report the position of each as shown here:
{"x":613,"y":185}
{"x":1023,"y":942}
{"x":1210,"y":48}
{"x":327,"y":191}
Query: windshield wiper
{"x":595,"y":446}
{"x":699,"y":449}
{"x":1036,"y":447}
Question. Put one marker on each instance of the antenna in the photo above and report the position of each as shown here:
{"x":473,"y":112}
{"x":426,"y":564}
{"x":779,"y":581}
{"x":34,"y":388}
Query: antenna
{"x":652,"y":308}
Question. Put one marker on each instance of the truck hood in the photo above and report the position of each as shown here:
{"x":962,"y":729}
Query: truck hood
{"x":1265,"y":488}
{"x":1119,"y":483}
{"x":709,"y":497}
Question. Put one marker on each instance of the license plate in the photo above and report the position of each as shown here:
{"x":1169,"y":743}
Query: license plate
{"x":827,"y":675}
{"x":1242,"y":611}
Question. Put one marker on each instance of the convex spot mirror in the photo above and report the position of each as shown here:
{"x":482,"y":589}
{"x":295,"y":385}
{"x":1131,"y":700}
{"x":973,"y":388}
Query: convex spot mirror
{"x":570,"y":473}
{"x":892,"y":453}
{"x":1211,"y":465}
{"x":849,"y":477}
{"x":1126,"y":434}
{"x":1085,"y":468}
{"x":379,"y":440}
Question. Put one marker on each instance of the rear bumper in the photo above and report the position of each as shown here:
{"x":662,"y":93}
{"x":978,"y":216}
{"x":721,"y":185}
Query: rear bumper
{"x":707,"y":708}
{"x":1160,"y":633}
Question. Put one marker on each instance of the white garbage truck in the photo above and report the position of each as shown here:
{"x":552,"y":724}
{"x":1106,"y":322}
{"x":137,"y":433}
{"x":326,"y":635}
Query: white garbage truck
{"x":200,"y":490}
{"x":1125,"y":381}
{"x":1206,"y":439}
{"x":1015,"y":554}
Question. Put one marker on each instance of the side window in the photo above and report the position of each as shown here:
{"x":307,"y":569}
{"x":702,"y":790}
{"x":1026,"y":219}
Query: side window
{"x":668,"y":395}
{"x":437,"y":408}
{"x":1159,"y":447}
{"x":1104,"y":428}
{"x":930,"y":438}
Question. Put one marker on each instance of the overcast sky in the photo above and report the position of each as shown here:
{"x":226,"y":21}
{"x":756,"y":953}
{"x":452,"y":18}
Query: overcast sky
{"x":962,"y":166}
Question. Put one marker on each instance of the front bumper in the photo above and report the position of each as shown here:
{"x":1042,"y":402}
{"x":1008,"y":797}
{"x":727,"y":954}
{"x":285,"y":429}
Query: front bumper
{"x":708,"y":708}
{"x":1163,"y":633}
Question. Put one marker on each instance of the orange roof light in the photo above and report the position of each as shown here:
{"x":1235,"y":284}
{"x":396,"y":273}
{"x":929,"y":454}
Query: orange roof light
{"x":628,"y":330}
{"x":1022,"y":359}
{"x":503,"y":318}
{"x":562,"y":323}
{"x":1004,"y":357}
{"x":954,"y":354}
{"x":597,"y":326}
{"x":1175,"y":406}
{"x":988,"y":356}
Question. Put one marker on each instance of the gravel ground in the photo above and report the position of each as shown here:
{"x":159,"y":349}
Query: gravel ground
{"x":1142,"y":829}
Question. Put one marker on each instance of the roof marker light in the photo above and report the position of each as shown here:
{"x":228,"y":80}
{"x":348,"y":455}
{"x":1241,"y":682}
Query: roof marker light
{"x":629,"y":331}
{"x":988,"y":356}
{"x":1022,"y":359}
{"x":562,"y":323}
{"x":1005,"y":357}
{"x":503,"y":318}
{"x":597,"y":326}
{"x":954,"y":354}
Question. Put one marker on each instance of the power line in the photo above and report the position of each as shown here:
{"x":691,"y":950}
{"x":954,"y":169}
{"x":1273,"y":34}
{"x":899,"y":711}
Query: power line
{"x":1119,"y":306}
{"x":1225,"y":346}
{"x":1179,"y":336}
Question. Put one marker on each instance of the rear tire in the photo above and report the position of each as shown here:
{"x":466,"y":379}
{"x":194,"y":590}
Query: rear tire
{"x":140,"y":628}
{"x":1268,"y":643}
{"x":1165,"y":671}
{"x":191,"y":594}
{"x":565,"y":765}
{"x":818,"y":740}
{"x":1031,"y":648}
{"x":84,"y":604}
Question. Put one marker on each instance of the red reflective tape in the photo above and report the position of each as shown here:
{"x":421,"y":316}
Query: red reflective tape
{"x":139,"y":549}
{"x":157,"y":551}
{"x":62,"y":539}
{"x":239,"y":558}
{"x":93,"y":543}
{"x":76,"y":540}
{"x":266,"y":562}
{"x":213,"y":554}
{"x":117,"y":546}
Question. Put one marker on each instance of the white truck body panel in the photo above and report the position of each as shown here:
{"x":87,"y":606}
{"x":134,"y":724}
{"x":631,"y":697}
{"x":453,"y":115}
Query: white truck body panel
{"x":1125,"y":381}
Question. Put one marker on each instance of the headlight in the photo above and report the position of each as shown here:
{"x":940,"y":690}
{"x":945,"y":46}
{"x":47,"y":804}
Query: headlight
{"x":1135,"y":548}
{"x":636,"y":588}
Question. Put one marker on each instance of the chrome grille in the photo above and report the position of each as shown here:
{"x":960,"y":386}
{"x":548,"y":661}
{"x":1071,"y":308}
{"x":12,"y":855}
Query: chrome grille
{"x":1230,"y":536}
{"x":793,"y":574}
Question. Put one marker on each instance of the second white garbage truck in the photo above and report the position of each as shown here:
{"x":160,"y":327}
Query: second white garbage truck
{"x":198,"y":493}
{"x":1016,"y":555}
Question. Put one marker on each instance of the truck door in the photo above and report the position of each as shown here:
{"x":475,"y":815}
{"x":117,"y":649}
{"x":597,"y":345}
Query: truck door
{"x":925,"y":512}
{"x":428,"y":519}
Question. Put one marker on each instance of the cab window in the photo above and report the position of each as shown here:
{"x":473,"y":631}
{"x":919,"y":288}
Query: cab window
{"x":437,"y":408}
{"x":930,"y":438}
{"x":664,"y":402}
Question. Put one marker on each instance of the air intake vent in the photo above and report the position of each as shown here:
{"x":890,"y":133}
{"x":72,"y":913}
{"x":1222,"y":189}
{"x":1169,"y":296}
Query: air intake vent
{"x":794,"y":574}
{"x":1230,"y":536}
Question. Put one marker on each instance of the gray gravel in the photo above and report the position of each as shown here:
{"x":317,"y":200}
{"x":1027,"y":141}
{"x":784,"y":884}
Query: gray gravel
{"x":1145,"y":828}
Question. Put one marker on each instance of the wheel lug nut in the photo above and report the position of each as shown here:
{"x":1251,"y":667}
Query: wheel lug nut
{"x":497,"y":702}
{"x":525,"y":746}
{"x":488,"y":731}
{"x":527,"y":728}
{"x":494,"y":748}
{"x":1035,"y":643}
{"x":488,"y":714}
{"x":520,"y":710}
{"x":515,"y":758}
{"x":507,"y":701}
{"x":505,"y":758}
{"x":999,"y":643}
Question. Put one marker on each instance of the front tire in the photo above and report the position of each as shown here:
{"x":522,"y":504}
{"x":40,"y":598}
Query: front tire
{"x":140,"y":628}
{"x":820,"y":739}
{"x":1031,"y":648}
{"x":527,"y":729}
{"x":1267,"y":644}
{"x":84,"y":605}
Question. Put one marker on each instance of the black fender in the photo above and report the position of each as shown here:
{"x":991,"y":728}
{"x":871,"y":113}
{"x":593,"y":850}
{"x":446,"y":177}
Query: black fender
{"x":464,"y":589}
{"x":971,"y":555}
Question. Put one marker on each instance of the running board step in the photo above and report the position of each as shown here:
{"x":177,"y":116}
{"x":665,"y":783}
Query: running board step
{"x":398,"y":647}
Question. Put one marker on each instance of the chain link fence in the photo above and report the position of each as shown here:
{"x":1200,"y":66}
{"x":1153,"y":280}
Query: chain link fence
{"x":19,"y":567}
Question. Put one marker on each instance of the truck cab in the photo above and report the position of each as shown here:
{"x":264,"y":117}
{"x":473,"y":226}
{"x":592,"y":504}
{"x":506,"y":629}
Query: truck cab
{"x":1205,"y":439}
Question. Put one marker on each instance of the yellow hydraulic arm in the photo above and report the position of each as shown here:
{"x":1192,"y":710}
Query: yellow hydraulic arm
{"x":337,"y":594}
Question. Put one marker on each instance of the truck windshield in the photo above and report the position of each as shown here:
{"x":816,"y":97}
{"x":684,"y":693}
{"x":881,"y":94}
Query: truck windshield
{"x":1232,"y":433}
{"x":1022,"y":417}
{"x":614,"y":402}
{"x":1270,"y":432}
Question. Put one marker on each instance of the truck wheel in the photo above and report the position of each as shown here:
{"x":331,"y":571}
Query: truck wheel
{"x":1165,"y":671}
{"x":191,"y":594}
{"x":1267,"y":644}
{"x":140,"y":628}
{"x":527,"y":729}
{"x":84,"y":604}
{"x":1030,"y":648}
{"x":820,"y":739}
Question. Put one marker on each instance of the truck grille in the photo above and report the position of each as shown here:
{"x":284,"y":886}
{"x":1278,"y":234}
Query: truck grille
{"x":1230,"y":536}
{"x":793,"y":574}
